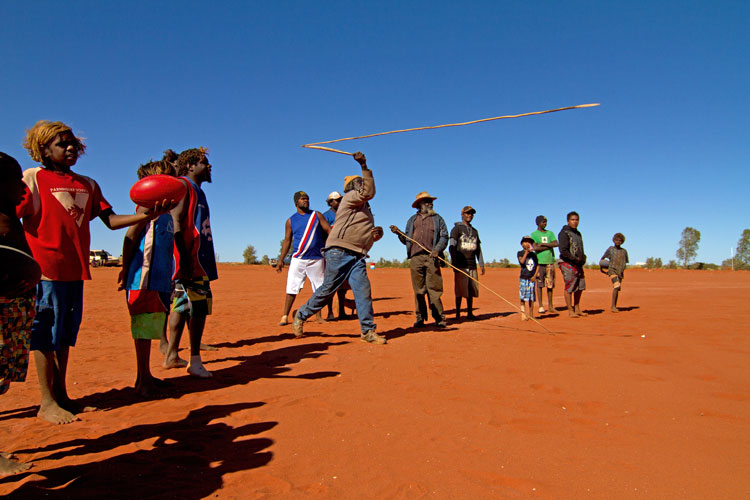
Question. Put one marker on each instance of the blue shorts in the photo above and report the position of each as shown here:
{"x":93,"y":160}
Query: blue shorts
{"x":59,"y":309}
{"x":527,"y":292}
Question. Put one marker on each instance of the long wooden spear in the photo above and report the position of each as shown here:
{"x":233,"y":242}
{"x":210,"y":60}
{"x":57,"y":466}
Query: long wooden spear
{"x":316,"y":145}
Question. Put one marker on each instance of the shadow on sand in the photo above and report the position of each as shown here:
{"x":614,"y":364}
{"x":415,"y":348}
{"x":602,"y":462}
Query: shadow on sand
{"x":184,"y":459}
{"x":268,"y":364}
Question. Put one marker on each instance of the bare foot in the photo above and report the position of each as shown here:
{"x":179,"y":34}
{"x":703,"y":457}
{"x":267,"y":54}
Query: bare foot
{"x":581,"y":313}
{"x":198,"y":370}
{"x":614,"y":310}
{"x":524,"y":317}
{"x":9,"y":467}
{"x":284,"y":320}
{"x":52,"y":413}
{"x":206,"y":347}
{"x":176,"y":362}
{"x":573,"y":314}
{"x":164,"y":348}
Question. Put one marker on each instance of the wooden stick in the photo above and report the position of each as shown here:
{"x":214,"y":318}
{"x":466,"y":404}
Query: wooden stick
{"x":312,"y":144}
{"x":477,"y":282}
{"x":327,"y":149}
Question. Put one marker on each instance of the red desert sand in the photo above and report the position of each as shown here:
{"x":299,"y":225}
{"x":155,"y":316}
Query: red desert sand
{"x":648,"y":403}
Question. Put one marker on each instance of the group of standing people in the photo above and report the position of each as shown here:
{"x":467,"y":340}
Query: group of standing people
{"x":426,"y":238}
{"x":168,"y":264}
{"x":538,"y":266}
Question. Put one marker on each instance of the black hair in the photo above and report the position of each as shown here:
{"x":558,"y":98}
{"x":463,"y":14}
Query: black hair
{"x":571,"y":214}
{"x":188,"y":157}
{"x":9,"y":167}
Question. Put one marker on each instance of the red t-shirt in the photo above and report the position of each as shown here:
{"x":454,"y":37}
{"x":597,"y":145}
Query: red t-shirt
{"x":56,"y":212}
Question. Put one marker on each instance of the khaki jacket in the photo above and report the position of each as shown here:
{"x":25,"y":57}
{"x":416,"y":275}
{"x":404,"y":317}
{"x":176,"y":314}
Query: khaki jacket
{"x":352,"y":229}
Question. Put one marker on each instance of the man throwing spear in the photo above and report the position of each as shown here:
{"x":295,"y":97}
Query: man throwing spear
{"x":350,"y":239}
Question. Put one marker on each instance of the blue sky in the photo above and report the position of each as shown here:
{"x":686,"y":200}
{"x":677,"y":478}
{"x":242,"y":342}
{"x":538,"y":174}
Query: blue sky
{"x":252,"y":81}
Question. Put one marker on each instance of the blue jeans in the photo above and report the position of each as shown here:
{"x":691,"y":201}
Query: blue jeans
{"x":343,"y":265}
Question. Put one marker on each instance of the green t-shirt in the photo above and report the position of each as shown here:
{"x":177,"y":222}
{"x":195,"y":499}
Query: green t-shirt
{"x":545,"y":257}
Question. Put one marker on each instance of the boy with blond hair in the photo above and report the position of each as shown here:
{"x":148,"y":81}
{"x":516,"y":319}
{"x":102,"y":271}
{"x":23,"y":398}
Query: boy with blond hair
{"x":56,"y":211}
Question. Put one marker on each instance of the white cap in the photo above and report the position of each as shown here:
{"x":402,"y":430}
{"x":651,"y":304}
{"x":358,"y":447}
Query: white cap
{"x":334,"y":195}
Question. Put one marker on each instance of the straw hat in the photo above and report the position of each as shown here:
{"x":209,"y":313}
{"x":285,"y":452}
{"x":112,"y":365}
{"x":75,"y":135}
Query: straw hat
{"x":424,"y":195}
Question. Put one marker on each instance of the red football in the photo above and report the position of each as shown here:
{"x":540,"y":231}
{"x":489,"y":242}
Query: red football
{"x":147,"y":191}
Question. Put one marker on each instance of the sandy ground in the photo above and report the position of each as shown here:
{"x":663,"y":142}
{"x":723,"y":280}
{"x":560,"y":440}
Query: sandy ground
{"x":648,"y":403}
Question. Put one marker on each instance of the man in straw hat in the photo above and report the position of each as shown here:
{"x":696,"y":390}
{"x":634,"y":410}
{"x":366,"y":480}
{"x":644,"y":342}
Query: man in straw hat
{"x":465,"y":249}
{"x":428,"y":229}
{"x":350,"y":239}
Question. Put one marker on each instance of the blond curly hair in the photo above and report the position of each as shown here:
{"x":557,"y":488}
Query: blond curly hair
{"x":42,"y":133}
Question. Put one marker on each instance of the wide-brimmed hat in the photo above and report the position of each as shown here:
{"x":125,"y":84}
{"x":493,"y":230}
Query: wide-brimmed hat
{"x":424,"y":195}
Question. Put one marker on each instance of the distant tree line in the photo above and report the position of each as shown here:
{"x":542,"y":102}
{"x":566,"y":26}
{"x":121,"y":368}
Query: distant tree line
{"x":686,"y":253}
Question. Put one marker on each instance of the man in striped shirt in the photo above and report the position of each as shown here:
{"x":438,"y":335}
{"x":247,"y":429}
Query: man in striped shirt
{"x":306,"y":231}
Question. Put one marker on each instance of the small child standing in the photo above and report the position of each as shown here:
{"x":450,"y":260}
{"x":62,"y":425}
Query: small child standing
{"x":56,"y":211}
{"x":618,"y":259}
{"x":529,"y":270}
{"x":146,"y":277}
{"x":16,"y":299}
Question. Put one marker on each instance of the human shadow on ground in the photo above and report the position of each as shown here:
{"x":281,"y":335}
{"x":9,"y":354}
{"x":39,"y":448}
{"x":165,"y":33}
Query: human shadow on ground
{"x":628,"y":308}
{"x":593,"y":312}
{"x":187,"y":460}
{"x":388,"y":314}
{"x":376,"y":299}
{"x":29,"y":411}
{"x":268,"y":364}
{"x":256,"y":340}
{"x":452,"y":323}
{"x":477,"y":317}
